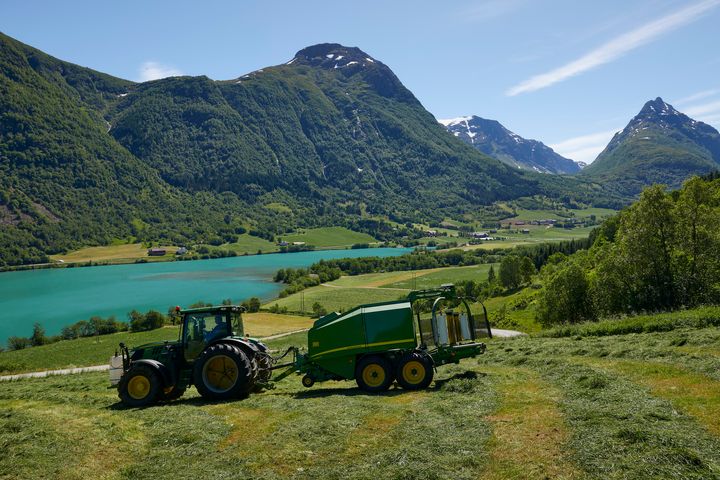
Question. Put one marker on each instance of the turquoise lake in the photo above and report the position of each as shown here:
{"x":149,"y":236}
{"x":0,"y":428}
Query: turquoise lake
{"x":61,"y":296}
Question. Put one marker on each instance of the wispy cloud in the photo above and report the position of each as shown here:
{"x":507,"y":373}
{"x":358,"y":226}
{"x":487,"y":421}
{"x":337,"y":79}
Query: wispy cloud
{"x":491,"y":9}
{"x":616,"y":47}
{"x":696,"y":96}
{"x":153,"y":70}
{"x":704,"y":109}
{"x":584,"y":148}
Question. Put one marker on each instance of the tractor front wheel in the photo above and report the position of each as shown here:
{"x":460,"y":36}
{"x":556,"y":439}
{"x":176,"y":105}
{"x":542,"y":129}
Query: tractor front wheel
{"x":222,"y":372}
{"x":374,"y":374}
{"x":139,"y":387}
{"x":415,"y":371}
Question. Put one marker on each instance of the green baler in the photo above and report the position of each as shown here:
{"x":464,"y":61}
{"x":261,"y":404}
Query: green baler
{"x":404,"y":340}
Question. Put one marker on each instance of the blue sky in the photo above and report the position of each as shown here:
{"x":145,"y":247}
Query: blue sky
{"x":565,"y":72}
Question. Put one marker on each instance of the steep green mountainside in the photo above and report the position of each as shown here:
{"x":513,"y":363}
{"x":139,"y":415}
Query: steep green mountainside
{"x":331,"y":124}
{"x":659,"y":145}
{"x":64,"y":181}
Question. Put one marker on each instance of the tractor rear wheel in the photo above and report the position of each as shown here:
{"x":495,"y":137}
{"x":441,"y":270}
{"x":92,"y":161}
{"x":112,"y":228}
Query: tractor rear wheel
{"x":223,"y":371}
{"x":374,"y":374}
{"x":415,"y":371}
{"x":139,"y":387}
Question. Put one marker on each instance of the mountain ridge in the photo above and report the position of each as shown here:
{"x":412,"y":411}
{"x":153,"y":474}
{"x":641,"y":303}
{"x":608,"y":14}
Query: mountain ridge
{"x":495,"y":140}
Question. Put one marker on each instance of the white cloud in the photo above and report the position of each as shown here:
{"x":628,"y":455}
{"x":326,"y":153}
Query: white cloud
{"x":705,"y":109}
{"x":584,"y":148}
{"x":615,"y":48}
{"x":153,"y":70}
{"x":696,"y":96}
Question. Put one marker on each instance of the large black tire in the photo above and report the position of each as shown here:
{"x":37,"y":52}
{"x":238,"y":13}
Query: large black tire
{"x":139,"y":387}
{"x":415,"y":371}
{"x":223,"y":371}
{"x":374,"y":374}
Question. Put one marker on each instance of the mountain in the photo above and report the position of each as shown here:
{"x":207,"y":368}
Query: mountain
{"x":332,"y":125}
{"x":493,"y":139}
{"x":659,"y":145}
{"x":332,"y":137}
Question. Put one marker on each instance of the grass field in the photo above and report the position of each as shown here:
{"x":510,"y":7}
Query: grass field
{"x":637,"y":406}
{"x":118,"y":252}
{"x":336,"y":298}
{"x":350,"y":291}
{"x":98,"y":350}
{"x":328,"y":237}
{"x":530,"y":215}
{"x":537,"y":234}
{"x":250,"y":245}
{"x":440,"y":276}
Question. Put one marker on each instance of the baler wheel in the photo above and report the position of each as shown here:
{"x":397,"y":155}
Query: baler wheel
{"x":139,"y":387}
{"x":223,"y":371}
{"x":415,"y":371}
{"x":308,"y":381}
{"x":374,"y":374}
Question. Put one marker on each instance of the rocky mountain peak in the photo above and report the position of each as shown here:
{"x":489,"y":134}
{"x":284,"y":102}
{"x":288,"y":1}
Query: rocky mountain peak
{"x":334,"y":56}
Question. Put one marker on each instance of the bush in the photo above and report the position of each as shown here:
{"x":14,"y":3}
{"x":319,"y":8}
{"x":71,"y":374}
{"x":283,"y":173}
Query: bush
{"x":318,"y":310}
{"x":149,"y":321}
{"x":252,"y":305}
{"x":18,"y":343}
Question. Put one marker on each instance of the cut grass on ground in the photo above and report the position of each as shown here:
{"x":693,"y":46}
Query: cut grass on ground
{"x":633,"y":406}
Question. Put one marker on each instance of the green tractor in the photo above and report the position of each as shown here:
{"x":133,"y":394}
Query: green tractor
{"x":212,"y":353}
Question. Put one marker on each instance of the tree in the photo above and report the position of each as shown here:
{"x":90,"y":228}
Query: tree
{"x":252,"y":305}
{"x":38,"y":336}
{"x":527,"y":269}
{"x":318,"y":310}
{"x":491,"y":274}
{"x":565,"y":299}
{"x":510,"y":272}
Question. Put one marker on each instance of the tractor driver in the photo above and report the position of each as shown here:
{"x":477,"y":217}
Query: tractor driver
{"x":220,"y":329}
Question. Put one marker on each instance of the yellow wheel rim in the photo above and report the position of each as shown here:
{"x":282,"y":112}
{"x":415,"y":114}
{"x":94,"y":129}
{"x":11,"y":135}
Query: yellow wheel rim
{"x":220,"y":373}
{"x":373,"y":375}
{"x":413,"y":372}
{"x":307,"y":381}
{"x":138,"y":387}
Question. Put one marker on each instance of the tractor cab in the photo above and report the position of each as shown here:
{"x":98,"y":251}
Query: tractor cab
{"x":203,"y":326}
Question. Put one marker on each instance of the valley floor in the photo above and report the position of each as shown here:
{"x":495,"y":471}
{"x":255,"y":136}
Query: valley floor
{"x":633,"y":407}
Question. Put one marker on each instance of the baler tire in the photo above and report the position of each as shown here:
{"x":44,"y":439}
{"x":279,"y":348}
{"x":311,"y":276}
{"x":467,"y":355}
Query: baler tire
{"x":374,"y":374}
{"x":236,"y":372}
{"x":415,"y":371}
{"x":139,"y":387}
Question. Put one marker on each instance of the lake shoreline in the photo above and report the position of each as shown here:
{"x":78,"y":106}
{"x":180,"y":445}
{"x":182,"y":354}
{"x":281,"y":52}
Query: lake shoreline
{"x":143,"y":260}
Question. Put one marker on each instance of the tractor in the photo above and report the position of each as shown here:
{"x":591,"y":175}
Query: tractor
{"x":211,"y":353}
